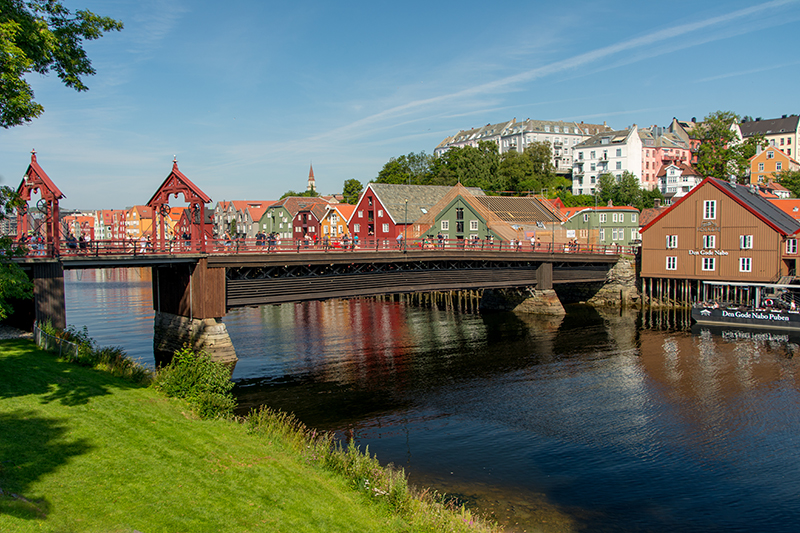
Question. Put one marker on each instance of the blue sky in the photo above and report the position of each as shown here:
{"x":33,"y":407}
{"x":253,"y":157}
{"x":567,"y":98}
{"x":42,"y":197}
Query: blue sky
{"x":246,"y":94}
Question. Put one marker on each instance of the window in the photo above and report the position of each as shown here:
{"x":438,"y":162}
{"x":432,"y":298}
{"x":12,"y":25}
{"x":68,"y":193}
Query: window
{"x":380,"y":213}
{"x":586,"y":217}
{"x":602,"y":217}
{"x":617,"y":234}
{"x":593,"y":167}
{"x":709,"y":264}
{"x":459,"y":226}
{"x":709,"y":241}
{"x":746,"y":242}
{"x":619,"y":152}
{"x":633,"y":217}
{"x":770,"y":154}
{"x":580,"y":156}
{"x":369,"y":200}
{"x":445,"y":225}
{"x":791,"y":246}
{"x":672,"y":262}
{"x":709,"y":209}
{"x":602,"y":234}
{"x":672,"y":241}
{"x":591,"y":154}
{"x":761,"y":167}
{"x":778,"y":165}
{"x":459,"y":213}
{"x":385,"y":228}
{"x":361,"y":214}
{"x":745,"y":264}
{"x":356,"y":228}
{"x":635,"y":234}
{"x":619,"y":165}
{"x":473,"y":225}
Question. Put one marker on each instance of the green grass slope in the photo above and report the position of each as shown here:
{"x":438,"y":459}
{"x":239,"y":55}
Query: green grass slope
{"x":82,"y":451}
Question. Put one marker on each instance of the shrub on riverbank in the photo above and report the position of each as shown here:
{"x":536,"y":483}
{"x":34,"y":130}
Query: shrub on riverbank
{"x":204,"y":383}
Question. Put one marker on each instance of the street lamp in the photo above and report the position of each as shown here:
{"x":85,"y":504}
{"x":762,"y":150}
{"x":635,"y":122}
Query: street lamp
{"x":405,"y":227}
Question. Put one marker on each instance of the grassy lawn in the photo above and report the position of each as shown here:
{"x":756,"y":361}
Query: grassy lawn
{"x":82,"y":451}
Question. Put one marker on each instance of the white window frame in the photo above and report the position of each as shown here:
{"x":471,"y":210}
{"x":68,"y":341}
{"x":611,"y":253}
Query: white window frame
{"x":473,"y":225}
{"x":672,"y":262}
{"x":745,"y":264}
{"x":602,"y":235}
{"x":709,"y":210}
{"x":385,"y":228}
{"x":357,"y":228}
{"x":745,"y":242}
{"x":672,"y":241}
{"x":709,"y":264}
{"x":445,"y":225}
{"x":602,"y":217}
{"x":709,"y":242}
{"x":791,"y":246}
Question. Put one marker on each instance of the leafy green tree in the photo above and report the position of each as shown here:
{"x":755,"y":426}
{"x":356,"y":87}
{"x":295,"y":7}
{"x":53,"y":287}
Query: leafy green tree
{"x":413,"y":169}
{"x":42,"y":36}
{"x":14,"y":283}
{"x":606,"y":185}
{"x":469,"y":165}
{"x":790,"y":179}
{"x":352,"y":190}
{"x":722,"y":153}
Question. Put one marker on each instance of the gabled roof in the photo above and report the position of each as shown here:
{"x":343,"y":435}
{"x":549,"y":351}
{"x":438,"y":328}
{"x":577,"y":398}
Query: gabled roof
{"x":608,"y":138}
{"x":177,"y":183}
{"x":345,"y":210}
{"x":426,"y":221}
{"x":686,"y":170}
{"x":649,"y":214}
{"x":293,"y":204}
{"x":790,"y":206}
{"x":518,"y":210}
{"x":420,"y":198}
{"x":748,"y":198}
{"x":37,"y":178}
{"x":772,"y":126}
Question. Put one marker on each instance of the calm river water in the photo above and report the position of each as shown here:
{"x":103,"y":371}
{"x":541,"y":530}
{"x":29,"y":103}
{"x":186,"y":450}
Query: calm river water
{"x":586,"y":423}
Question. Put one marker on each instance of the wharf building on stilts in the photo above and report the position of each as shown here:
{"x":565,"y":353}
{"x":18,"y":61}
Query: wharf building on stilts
{"x":713,"y":244}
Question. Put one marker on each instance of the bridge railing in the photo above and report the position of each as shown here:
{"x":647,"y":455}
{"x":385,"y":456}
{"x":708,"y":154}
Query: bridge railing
{"x":232,"y":246}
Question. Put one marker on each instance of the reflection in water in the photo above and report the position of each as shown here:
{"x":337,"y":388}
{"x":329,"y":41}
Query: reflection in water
{"x":586,"y":422}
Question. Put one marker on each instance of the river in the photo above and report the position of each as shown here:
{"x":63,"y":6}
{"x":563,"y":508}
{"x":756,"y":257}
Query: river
{"x":587,"y":423}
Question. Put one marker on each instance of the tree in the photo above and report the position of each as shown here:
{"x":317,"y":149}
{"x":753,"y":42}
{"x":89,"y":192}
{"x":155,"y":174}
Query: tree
{"x":722,"y":153}
{"x":790,"y":179}
{"x":469,"y":165}
{"x":14,"y":283}
{"x":42,"y":36}
{"x":413,"y":169}
{"x":351,"y":191}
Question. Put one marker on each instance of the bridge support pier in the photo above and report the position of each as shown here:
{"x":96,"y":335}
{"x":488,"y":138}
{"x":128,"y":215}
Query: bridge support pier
{"x":189,"y":301}
{"x":541,"y":300}
{"x":48,"y":294}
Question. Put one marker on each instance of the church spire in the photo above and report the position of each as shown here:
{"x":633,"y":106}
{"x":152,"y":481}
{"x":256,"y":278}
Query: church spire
{"x":312,"y":184}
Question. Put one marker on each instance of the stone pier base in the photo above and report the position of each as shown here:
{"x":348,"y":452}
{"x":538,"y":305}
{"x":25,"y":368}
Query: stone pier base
{"x":210,"y":335}
{"x":525,"y":300}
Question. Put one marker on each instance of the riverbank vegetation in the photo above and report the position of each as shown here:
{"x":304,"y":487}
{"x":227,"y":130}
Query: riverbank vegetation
{"x":85,"y":450}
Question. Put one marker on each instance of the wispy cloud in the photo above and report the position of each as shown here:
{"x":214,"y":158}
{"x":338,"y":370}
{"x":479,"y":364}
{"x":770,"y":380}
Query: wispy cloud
{"x":748,"y":72}
{"x":643,"y":45}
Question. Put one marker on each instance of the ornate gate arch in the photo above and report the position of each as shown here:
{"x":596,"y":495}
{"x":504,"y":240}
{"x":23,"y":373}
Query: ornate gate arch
{"x":175,"y":184}
{"x":37,"y":180}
